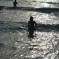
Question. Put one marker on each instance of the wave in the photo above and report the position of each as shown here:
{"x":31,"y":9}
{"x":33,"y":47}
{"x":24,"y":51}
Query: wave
{"x":21,"y":26}
{"x":43,"y":10}
{"x":6,"y":0}
{"x":50,"y":2}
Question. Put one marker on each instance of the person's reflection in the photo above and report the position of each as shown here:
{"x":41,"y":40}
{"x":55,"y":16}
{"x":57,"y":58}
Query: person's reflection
{"x":31,"y":26}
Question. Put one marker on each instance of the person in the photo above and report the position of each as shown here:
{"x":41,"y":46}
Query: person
{"x":15,"y":3}
{"x":31,"y":27}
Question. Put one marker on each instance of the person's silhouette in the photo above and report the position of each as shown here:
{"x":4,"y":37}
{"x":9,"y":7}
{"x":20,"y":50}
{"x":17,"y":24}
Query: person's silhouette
{"x":15,"y":3}
{"x":31,"y":27}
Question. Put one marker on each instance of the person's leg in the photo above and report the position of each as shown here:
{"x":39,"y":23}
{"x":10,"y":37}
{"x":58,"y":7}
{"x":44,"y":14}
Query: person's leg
{"x":31,"y":32}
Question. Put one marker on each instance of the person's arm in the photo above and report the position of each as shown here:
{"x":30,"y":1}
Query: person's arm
{"x":35,"y":25}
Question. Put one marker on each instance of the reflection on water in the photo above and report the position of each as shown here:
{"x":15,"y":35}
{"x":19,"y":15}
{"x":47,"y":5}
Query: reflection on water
{"x":46,"y":18}
{"x":45,"y":3}
{"x":32,"y":3}
{"x":14,"y":41}
{"x":42,"y":46}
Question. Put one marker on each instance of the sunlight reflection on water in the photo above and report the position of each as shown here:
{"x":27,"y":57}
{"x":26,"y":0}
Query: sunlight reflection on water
{"x":44,"y":3}
{"x":44,"y":46}
{"x":45,"y":18}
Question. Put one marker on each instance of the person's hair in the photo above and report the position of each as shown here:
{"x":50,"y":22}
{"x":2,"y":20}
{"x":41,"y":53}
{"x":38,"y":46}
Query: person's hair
{"x":31,"y":18}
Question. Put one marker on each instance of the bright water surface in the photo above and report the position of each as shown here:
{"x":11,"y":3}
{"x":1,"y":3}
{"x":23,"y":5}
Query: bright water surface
{"x":14,"y":41}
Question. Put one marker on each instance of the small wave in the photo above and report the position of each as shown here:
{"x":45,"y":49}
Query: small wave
{"x":6,"y":0}
{"x":50,"y":2}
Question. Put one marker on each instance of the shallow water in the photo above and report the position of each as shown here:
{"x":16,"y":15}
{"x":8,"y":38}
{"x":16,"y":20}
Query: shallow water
{"x":14,"y":41}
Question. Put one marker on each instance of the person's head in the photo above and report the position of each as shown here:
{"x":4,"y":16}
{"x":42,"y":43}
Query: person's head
{"x":31,"y":18}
